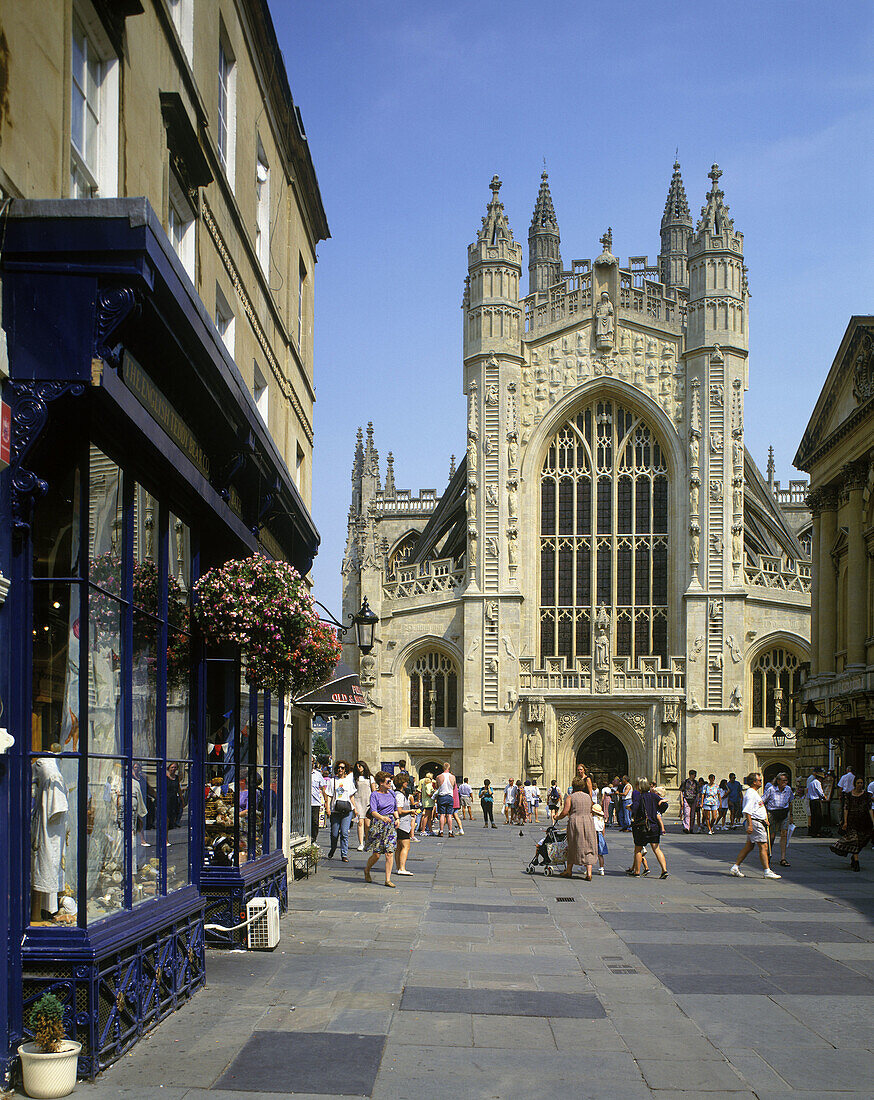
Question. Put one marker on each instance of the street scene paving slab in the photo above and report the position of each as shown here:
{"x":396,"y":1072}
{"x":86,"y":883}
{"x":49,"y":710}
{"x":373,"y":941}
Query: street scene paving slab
{"x":475,"y":979}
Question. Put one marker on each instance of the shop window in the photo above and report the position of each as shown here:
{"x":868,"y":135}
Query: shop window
{"x":93,"y":108}
{"x":776,"y":680}
{"x":110,"y":697}
{"x":243,"y":795}
{"x":434,"y":691}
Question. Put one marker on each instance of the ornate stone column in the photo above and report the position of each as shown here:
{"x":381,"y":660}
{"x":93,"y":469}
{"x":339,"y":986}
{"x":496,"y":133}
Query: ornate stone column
{"x":855,"y":479}
{"x":827,"y":586}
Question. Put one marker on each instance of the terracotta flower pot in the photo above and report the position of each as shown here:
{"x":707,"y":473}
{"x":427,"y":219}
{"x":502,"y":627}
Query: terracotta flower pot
{"x":49,"y":1075}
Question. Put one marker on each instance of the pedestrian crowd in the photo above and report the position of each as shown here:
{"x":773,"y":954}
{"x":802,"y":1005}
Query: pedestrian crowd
{"x":393,"y":811}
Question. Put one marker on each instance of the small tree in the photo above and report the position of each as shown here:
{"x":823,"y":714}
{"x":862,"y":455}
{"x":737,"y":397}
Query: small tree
{"x":47,"y":1023}
{"x":320,"y":746}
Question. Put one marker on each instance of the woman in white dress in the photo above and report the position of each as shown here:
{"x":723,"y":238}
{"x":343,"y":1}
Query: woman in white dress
{"x":364,"y":787}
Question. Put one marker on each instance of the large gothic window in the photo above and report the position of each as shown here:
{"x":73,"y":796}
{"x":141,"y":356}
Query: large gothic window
{"x":604,"y":535}
{"x":776,"y":668}
{"x":434,"y":691}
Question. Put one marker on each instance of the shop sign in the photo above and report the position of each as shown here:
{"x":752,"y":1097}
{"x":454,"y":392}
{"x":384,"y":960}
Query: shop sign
{"x":5,"y":434}
{"x":162,"y":411}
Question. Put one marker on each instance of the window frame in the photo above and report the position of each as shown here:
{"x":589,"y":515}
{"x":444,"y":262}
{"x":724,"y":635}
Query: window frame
{"x":100,"y":178}
{"x":262,"y":206}
{"x":226,"y":128}
{"x":181,"y":213}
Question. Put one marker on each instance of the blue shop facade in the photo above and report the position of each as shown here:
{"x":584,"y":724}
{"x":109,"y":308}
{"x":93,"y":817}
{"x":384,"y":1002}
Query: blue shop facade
{"x":146,"y":794}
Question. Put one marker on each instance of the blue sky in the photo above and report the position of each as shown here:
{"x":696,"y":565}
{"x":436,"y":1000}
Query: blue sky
{"x":411,"y":107}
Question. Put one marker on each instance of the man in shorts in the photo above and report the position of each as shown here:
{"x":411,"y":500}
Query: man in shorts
{"x":509,"y":799}
{"x":777,"y":797}
{"x":757,"y":828}
{"x":446,"y":783}
{"x":465,"y":795}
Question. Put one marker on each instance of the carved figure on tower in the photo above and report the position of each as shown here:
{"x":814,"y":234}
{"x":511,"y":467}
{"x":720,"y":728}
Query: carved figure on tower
{"x":604,"y":327}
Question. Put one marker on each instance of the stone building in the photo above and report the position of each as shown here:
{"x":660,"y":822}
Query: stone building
{"x":160,"y":213}
{"x":607,"y":577}
{"x":837,"y":450}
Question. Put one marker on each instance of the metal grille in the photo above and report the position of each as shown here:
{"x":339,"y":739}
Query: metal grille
{"x":565,"y":899}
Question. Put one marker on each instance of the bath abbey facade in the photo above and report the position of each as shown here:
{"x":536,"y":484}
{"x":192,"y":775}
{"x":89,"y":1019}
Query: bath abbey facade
{"x":607,"y":577}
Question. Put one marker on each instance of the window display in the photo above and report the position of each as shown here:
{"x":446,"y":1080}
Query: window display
{"x":116,"y":716}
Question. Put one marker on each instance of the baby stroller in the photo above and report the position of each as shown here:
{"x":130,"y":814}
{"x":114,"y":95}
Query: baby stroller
{"x":551,"y":851}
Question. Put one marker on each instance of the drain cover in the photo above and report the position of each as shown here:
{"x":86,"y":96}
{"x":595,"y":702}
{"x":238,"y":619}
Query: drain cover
{"x":616,"y":968}
{"x":565,"y":899}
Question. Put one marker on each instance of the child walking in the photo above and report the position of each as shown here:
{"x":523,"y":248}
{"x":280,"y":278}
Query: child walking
{"x":598,"y":815}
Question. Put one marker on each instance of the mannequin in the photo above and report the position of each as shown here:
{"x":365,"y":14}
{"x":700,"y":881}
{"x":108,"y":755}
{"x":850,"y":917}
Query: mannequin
{"x":48,"y":836}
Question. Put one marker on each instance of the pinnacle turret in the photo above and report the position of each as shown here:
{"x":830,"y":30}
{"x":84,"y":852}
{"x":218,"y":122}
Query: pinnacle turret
{"x":714,"y":213}
{"x":676,"y":229}
{"x":390,"y":475}
{"x":544,"y":242}
{"x":495,"y":226}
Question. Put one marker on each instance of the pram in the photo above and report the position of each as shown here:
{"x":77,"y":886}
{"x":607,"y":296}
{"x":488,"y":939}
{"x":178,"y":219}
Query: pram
{"x":551,"y":851}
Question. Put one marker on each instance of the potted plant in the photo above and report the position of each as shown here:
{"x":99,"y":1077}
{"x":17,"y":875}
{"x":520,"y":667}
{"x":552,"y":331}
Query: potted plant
{"x":48,"y":1064}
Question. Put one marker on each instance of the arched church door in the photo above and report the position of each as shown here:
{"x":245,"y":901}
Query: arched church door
{"x":769,"y":775}
{"x":604,"y":757}
{"x":430,"y":766}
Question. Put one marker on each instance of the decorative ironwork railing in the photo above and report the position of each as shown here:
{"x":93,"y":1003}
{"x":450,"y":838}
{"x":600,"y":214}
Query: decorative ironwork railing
{"x":774,"y":572}
{"x":619,"y":679}
{"x":439,"y":575}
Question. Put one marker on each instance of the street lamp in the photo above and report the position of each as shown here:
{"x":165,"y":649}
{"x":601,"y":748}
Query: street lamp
{"x":364,"y":622}
{"x":779,"y":737}
{"x":810,"y":717}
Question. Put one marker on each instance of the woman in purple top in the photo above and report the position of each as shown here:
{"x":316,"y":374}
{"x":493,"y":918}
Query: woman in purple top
{"x":382,"y":838}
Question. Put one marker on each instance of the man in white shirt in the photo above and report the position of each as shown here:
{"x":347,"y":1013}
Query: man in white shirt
{"x":845,"y":786}
{"x":815,"y":796}
{"x":318,"y":798}
{"x":757,"y":828}
{"x":509,"y":795}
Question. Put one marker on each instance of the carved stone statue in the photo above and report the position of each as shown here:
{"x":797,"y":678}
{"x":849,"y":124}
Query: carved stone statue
{"x":491,"y":495}
{"x":668,"y":755}
{"x":694,"y":492}
{"x":471,"y":411}
{"x":512,"y":500}
{"x":602,"y":641}
{"x":471,"y":456}
{"x":535,"y":710}
{"x":694,"y":547}
{"x":471,"y":502}
{"x":492,"y":394}
{"x":512,"y":453}
{"x":604,"y":327}
{"x":512,"y":552}
{"x":534,"y":752}
{"x":734,"y":702}
{"x":694,"y":449}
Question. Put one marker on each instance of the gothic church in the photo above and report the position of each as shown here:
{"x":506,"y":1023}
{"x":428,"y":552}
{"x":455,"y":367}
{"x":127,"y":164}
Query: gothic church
{"x":607,"y":577}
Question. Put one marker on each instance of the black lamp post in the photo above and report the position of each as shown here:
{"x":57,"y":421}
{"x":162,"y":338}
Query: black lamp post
{"x":779,"y":737}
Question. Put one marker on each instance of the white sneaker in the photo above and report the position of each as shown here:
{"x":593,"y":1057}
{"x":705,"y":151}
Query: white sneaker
{"x":737,"y":872}
{"x":408,"y":873}
{"x":461,"y":830}
{"x":360,"y":848}
{"x":770,"y":874}
{"x":600,"y":870}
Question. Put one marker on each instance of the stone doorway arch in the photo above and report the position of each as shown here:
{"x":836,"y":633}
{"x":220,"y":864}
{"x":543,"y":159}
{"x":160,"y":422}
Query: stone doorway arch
{"x":771,"y":771}
{"x":429,"y":766}
{"x":603,"y":755}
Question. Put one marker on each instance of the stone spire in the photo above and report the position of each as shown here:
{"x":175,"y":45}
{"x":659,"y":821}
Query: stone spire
{"x":357,"y":472}
{"x":676,"y":229}
{"x":714,"y":213}
{"x":370,"y":480}
{"x":495,"y":226}
{"x":390,"y":475}
{"x":451,"y":467}
{"x":772,"y":470}
{"x":544,"y":256}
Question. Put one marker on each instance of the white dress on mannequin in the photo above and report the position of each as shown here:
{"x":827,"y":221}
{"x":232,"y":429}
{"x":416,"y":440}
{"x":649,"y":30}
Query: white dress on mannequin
{"x":48,"y":830}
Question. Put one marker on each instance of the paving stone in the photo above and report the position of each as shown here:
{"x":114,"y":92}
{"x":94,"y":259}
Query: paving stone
{"x":588,"y":1035}
{"x":432,"y":1029}
{"x":314,"y":1062}
{"x":493,"y":1002}
{"x":761,"y":1021}
{"x":676,"y":1074}
{"x":513,"y":1032}
{"x":754,"y":1069}
{"x":824,"y":1071}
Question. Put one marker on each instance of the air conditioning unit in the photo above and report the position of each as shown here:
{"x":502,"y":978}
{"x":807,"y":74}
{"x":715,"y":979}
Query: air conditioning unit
{"x":263,"y":932}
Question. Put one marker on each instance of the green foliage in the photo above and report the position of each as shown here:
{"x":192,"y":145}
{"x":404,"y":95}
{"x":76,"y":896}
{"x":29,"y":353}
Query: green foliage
{"x":47,"y":1023}
{"x":320,"y":746}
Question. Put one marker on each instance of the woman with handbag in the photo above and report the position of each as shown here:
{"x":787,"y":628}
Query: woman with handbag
{"x":646,"y":826}
{"x":341,"y":790}
{"x":364,"y":787}
{"x":382,"y":838}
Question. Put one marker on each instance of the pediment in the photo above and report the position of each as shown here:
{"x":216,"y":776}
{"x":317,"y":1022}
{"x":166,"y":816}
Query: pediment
{"x":848,"y":387}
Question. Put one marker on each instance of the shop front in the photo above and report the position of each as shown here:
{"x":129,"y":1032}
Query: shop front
{"x":147,"y":792}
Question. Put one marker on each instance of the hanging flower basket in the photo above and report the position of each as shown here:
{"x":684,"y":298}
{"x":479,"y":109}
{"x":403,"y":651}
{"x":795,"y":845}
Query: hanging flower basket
{"x":264,"y":607}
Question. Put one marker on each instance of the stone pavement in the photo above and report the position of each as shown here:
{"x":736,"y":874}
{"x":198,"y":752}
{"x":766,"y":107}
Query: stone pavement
{"x":473,"y":980}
